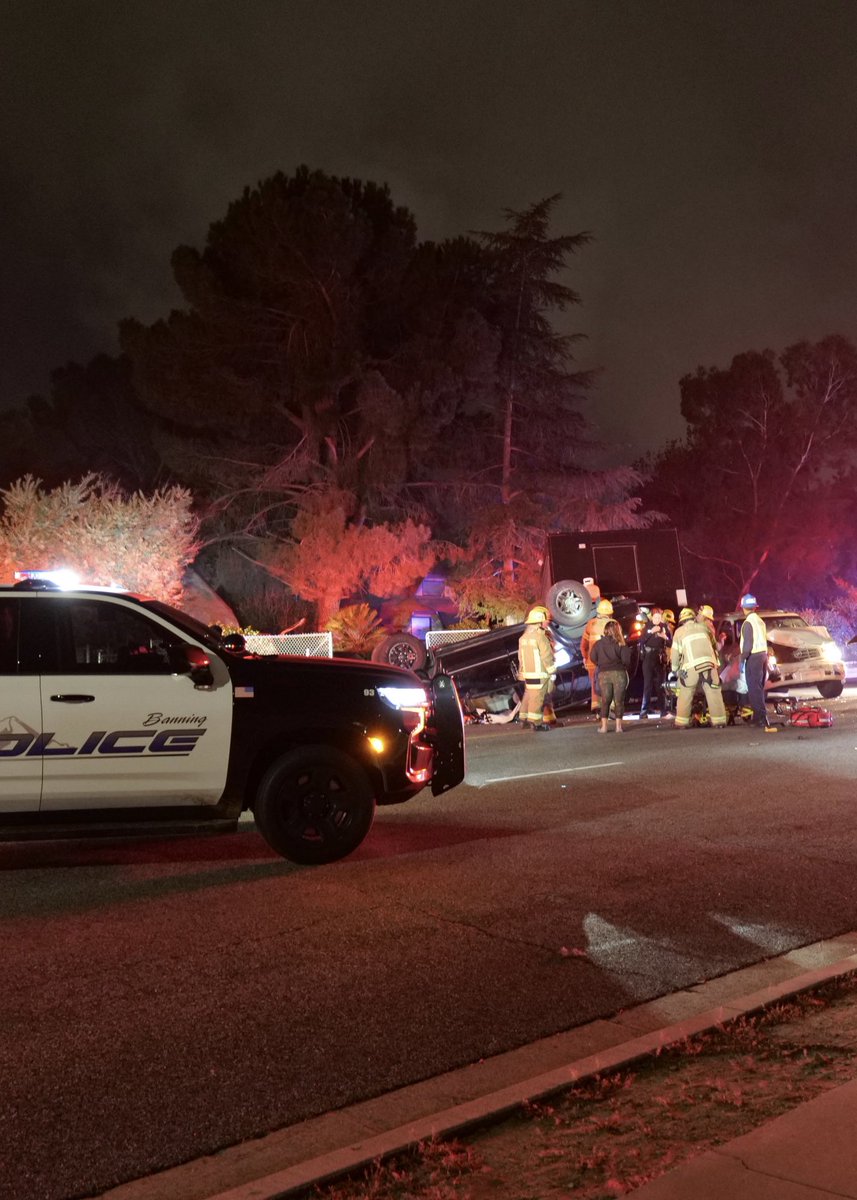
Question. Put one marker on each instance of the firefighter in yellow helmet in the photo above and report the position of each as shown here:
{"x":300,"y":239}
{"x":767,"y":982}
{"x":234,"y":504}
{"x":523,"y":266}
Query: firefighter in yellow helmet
{"x":705,"y":614}
{"x":592,"y":632}
{"x":537,"y":669}
{"x":694,"y":659}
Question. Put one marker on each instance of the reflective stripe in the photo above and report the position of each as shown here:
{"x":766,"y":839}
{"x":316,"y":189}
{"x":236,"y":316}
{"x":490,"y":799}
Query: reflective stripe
{"x":697,"y":647}
{"x":535,"y":655}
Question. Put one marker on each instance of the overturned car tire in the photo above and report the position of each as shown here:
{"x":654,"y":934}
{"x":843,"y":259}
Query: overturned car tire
{"x":570,"y":603}
{"x":401,"y":650}
{"x":830,"y":689}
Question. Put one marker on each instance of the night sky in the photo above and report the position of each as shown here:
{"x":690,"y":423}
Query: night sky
{"x":708,"y":147}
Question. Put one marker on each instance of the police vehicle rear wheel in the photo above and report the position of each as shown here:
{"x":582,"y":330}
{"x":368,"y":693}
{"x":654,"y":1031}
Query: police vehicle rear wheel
{"x":570,"y":603}
{"x":830,"y":689}
{"x":314,"y":805}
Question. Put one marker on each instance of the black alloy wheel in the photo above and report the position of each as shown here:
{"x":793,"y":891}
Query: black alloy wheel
{"x":314,"y":805}
{"x":401,"y":650}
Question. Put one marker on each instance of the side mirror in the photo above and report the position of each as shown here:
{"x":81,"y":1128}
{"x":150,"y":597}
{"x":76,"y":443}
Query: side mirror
{"x":196,"y":663}
{"x":235,"y":643}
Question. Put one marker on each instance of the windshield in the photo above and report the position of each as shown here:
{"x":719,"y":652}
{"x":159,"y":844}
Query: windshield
{"x":787,"y":621}
{"x":185,"y":621}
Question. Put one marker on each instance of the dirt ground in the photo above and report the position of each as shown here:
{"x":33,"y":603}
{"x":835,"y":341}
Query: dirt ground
{"x":611,"y":1134}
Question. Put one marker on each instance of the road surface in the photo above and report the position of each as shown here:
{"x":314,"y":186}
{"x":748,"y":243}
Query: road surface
{"x":162,"y":999}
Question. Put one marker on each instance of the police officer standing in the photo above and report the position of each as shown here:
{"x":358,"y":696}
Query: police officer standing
{"x":593,"y":630}
{"x":694,"y":660}
{"x":654,"y":641}
{"x":536,"y":667}
{"x":754,"y":657}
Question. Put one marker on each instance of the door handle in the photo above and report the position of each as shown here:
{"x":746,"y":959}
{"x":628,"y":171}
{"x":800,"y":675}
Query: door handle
{"x":73,"y":698}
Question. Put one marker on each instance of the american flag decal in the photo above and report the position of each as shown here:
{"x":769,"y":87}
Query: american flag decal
{"x":244,"y":693}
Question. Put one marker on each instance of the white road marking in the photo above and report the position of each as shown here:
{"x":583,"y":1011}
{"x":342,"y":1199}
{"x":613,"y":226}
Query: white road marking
{"x":539,"y":774}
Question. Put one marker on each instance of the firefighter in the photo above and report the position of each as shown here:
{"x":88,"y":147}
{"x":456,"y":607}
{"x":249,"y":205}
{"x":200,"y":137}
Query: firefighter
{"x":705,"y":614}
{"x":694,"y":660}
{"x":754,"y":656}
{"x":593,"y":631}
{"x":536,"y":667}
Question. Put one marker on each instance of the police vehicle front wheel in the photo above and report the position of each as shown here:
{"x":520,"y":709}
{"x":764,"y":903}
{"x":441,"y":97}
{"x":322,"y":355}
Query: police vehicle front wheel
{"x":314,"y":805}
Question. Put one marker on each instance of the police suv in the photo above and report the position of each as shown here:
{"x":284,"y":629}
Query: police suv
{"x":120,"y":714}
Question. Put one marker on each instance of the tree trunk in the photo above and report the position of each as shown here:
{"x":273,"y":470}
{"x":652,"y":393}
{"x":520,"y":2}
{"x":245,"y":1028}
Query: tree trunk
{"x":326,"y":606}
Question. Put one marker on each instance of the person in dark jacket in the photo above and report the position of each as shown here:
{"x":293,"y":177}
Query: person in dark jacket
{"x":612,"y":658}
{"x":653,"y":645}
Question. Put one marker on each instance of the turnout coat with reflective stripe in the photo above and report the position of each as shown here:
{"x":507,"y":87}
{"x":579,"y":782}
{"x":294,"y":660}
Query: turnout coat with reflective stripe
{"x":692,"y":649}
{"x":535,"y":655}
{"x":592,"y":633}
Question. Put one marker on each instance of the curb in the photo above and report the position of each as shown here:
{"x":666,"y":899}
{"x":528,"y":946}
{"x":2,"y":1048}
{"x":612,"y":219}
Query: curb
{"x":366,"y":1132}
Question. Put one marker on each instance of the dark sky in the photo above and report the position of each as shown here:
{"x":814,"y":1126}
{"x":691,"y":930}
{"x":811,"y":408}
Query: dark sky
{"x":708,"y":145}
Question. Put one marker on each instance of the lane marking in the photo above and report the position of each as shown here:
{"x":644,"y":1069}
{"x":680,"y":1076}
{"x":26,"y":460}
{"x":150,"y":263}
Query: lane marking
{"x":539,"y":774}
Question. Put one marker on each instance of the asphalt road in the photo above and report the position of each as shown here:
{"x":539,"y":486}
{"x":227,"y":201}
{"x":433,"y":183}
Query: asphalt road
{"x":162,"y":999}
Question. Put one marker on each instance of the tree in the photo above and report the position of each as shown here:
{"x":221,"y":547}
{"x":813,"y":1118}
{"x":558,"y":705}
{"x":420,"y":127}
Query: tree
{"x":140,"y":542}
{"x":289,"y":297}
{"x":529,"y":475}
{"x":329,"y":557}
{"x":323,"y":351}
{"x":759,"y":483}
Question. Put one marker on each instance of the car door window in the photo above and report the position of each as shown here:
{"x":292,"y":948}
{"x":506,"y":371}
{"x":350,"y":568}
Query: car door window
{"x":105,"y":638}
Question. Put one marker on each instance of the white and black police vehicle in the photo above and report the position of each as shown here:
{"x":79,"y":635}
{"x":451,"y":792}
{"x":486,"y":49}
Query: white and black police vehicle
{"x":120,"y":714}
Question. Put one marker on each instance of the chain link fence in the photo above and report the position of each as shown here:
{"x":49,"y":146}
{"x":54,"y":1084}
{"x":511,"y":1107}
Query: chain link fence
{"x":307,"y":645}
{"x":446,"y":637}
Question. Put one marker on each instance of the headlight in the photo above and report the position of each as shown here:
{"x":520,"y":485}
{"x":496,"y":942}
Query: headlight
{"x":404,"y":697}
{"x":412,"y":703}
{"x":831,"y":653}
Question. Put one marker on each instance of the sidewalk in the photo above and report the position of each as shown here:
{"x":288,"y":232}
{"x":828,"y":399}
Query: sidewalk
{"x":809,"y":1152}
{"x":806,"y":1154}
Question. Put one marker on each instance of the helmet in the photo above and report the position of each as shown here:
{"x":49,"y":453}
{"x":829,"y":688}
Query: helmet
{"x":669,"y":615}
{"x":538,"y":614}
{"x":706,"y":611}
{"x":748,"y":600}
{"x":686,"y":614}
{"x":604,"y":608}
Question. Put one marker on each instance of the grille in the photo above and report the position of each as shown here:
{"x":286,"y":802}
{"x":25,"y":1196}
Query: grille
{"x":792,"y":654}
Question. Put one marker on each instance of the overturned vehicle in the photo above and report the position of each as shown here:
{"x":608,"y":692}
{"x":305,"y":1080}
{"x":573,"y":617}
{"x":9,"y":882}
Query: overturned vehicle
{"x":635,"y":568}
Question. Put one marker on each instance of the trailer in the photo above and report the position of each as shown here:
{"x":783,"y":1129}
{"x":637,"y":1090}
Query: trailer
{"x":642,"y":565}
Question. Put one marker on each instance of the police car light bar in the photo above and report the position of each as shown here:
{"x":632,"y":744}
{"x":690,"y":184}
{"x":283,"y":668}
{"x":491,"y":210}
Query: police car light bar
{"x":63,"y":578}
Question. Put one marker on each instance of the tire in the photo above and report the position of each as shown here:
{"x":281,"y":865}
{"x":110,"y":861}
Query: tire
{"x":314,"y":805}
{"x":570,"y":603}
{"x":830,"y":689}
{"x":401,"y":650}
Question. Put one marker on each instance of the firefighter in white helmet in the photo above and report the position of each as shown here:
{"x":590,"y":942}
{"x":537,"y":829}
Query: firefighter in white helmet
{"x":537,"y":669}
{"x":694,"y":659}
{"x":593,"y":631}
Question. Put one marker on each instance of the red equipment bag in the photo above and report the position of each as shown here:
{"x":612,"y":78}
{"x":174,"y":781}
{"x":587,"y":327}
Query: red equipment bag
{"x":810,"y":717}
